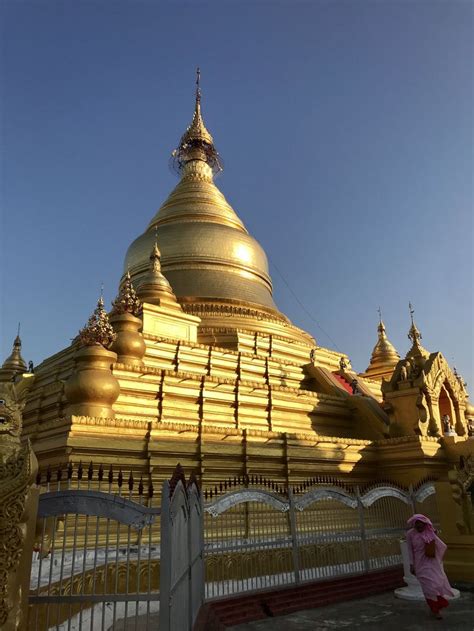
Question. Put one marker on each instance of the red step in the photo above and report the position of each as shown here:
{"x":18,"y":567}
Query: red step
{"x":344,"y":383}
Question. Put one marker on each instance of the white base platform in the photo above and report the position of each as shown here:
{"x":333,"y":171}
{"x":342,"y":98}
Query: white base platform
{"x":413,"y":591}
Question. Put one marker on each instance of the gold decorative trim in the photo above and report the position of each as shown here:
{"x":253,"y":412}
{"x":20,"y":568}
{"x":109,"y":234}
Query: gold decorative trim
{"x":414,"y":438}
{"x":312,"y":438}
{"x":204,"y":309}
{"x":110,"y":422}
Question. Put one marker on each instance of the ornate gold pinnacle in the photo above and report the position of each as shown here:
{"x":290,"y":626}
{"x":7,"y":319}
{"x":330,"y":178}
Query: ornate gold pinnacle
{"x":98,"y":330}
{"x":196,"y":143}
{"x":127,"y":300}
{"x":413,"y":334}
{"x":155,"y":259}
{"x":197,"y":129}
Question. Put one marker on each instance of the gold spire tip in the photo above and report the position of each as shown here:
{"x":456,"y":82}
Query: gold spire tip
{"x":198,"y":84}
{"x":196,"y":143}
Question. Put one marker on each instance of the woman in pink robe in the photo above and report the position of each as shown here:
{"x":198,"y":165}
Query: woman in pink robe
{"x":426,"y":552}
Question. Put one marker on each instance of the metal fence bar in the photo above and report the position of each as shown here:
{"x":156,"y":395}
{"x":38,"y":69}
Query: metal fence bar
{"x":294,"y":536}
{"x":40,"y":564}
{"x":139,"y":542}
{"x":73,"y":561}
{"x":149,"y":574}
{"x":363,"y":534}
{"x":165,"y":561}
{"x":51,"y":565}
{"x":412,"y":498}
{"x":117,"y":564}
{"x":94,"y":569}
{"x":84,"y":559}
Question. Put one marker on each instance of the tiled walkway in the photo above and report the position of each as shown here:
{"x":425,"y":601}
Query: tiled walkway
{"x":376,"y":613}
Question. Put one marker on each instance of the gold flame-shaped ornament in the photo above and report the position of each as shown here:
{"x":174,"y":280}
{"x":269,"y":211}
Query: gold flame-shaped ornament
{"x":98,"y":330}
{"x":127,"y":300}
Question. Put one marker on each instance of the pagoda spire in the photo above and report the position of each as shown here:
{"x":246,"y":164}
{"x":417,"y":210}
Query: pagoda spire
{"x":154,"y":288}
{"x":15,"y":363}
{"x":384,"y":355}
{"x":196,"y":143}
{"x":415,"y":336}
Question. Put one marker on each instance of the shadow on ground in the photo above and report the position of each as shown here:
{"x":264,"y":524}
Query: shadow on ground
{"x":376,"y":613}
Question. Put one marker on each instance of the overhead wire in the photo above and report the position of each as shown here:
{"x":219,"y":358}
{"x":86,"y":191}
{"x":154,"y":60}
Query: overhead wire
{"x":303,"y":307}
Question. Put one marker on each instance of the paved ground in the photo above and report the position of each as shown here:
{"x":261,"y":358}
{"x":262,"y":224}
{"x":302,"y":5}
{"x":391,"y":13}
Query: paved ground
{"x":376,"y":613}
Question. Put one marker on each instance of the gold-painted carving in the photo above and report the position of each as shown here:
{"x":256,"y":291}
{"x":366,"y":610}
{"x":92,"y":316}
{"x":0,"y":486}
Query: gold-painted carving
{"x":18,"y":501}
{"x":461,"y":479}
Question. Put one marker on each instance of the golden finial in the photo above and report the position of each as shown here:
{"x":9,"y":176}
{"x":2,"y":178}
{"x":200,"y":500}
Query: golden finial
{"x":155,"y":257}
{"x":154,"y":286}
{"x":414,"y":334}
{"x":196,"y":143}
{"x":98,"y":330}
{"x":198,"y":84}
{"x":381,"y":326}
{"x":384,"y":355}
{"x":15,"y":361}
{"x":197,"y":130}
{"x":127,"y":300}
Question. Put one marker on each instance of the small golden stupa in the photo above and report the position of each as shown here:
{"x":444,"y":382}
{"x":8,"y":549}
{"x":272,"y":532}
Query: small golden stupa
{"x":384,"y":356}
{"x":14,"y":363}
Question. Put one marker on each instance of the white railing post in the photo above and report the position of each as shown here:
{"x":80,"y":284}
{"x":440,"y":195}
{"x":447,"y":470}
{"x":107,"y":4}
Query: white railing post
{"x":189,"y":544}
{"x":294,"y":536}
{"x":363,"y":534}
{"x":412,"y":498}
{"x":165,"y":559}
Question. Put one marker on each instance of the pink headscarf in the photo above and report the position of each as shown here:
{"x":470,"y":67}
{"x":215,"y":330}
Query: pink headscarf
{"x":428,"y":533}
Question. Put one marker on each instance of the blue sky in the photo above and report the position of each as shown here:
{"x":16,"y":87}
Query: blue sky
{"x":346,"y":130}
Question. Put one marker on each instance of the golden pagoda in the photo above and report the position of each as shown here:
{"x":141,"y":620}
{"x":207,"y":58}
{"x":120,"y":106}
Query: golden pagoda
{"x":14,"y":364}
{"x":195,"y":363}
{"x":384,"y":356}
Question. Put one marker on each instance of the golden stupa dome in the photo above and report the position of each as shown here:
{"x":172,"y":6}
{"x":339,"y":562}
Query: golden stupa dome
{"x":207,"y":255}
{"x":15,"y":362}
{"x":384,"y":356}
